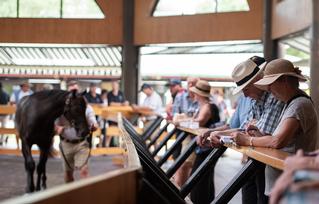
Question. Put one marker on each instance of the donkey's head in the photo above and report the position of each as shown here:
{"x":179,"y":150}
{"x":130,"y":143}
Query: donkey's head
{"x":74,"y":112}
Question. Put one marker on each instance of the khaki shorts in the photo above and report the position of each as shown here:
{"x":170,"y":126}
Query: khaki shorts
{"x":77,"y":155}
{"x":192,"y":156}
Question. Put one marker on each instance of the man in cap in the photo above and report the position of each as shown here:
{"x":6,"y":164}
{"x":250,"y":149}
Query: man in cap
{"x":186,"y":105}
{"x":264,"y":114}
{"x":152,"y":100}
{"x":175,"y":87}
{"x":184,"y":101}
{"x":22,"y":92}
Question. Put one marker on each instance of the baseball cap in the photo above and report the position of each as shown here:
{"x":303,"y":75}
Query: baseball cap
{"x":145,"y":86}
{"x":174,"y":82}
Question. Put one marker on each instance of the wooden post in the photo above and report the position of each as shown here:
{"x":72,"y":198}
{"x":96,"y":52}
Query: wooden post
{"x":270,"y":45}
{"x":314,"y":59}
{"x":130,"y":70}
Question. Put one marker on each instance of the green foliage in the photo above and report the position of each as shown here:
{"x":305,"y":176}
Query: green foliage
{"x":297,"y":53}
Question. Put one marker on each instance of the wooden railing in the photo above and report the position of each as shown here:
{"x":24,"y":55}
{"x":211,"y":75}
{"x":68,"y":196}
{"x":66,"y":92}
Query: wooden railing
{"x":9,"y":110}
{"x":271,"y":157}
{"x":115,"y":187}
{"x":258,"y":157}
{"x":105,"y":112}
{"x":110,"y":112}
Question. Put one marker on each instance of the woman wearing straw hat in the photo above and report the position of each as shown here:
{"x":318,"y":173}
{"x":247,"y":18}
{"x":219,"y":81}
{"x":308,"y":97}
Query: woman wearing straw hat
{"x":206,"y":116}
{"x":298,"y":126}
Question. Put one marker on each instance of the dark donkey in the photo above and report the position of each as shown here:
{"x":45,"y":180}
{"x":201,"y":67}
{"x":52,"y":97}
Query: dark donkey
{"x":35,"y":118}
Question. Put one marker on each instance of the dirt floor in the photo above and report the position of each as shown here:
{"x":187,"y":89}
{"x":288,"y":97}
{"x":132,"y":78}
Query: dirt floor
{"x":13,"y":176}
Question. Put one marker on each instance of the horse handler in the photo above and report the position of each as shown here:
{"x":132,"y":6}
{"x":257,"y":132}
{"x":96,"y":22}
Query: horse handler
{"x":75,"y":151}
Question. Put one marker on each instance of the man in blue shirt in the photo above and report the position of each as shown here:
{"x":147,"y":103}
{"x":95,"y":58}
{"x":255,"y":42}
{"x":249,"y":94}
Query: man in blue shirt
{"x":241,"y":113}
{"x":184,"y":101}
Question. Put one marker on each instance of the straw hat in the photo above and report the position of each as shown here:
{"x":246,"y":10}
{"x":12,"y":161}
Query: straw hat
{"x":246,"y":71}
{"x":276,"y":69}
{"x":201,"y":88}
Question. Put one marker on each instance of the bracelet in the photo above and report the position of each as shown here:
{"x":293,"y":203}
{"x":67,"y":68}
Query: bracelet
{"x":251,"y":141}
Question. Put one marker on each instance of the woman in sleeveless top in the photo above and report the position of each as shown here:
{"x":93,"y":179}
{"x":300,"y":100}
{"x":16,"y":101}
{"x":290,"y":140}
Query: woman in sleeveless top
{"x":206,"y":115}
{"x":298,"y":126}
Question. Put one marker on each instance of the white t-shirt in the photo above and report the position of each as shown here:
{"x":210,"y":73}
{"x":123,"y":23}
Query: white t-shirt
{"x":306,"y":138}
{"x":154,"y":102}
{"x":20,"y":96}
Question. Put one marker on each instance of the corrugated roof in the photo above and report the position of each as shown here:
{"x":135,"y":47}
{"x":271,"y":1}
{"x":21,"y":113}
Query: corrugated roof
{"x":106,"y":56}
{"x":60,"y":60}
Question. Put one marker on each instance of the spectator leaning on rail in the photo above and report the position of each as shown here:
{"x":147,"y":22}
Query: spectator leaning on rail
{"x":175,"y":87}
{"x":187,"y":100}
{"x":75,"y":151}
{"x":207,"y":115}
{"x":298,"y":126}
{"x":264,"y":113}
{"x":184,"y":101}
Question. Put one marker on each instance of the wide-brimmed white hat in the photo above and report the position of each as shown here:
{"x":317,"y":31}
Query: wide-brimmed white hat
{"x":246,"y":71}
{"x":201,"y":88}
{"x":277,"y":68}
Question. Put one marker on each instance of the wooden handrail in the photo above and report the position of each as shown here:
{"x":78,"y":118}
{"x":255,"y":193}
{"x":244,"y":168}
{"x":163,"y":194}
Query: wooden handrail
{"x":11,"y":131}
{"x":269,"y":156}
{"x":126,"y":111}
{"x":104,"y":111}
{"x":7,"y":109}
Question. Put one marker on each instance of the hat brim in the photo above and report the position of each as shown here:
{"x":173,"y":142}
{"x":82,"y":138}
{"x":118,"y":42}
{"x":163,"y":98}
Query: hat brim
{"x":241,"y":87}
{"x":269,"y":79}
{"x":199,"y":92}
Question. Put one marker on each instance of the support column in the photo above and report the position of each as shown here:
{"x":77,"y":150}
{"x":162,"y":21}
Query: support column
{"x":130,"y":70}
{"x":270,"y":45}
{"x":314,"y":57}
